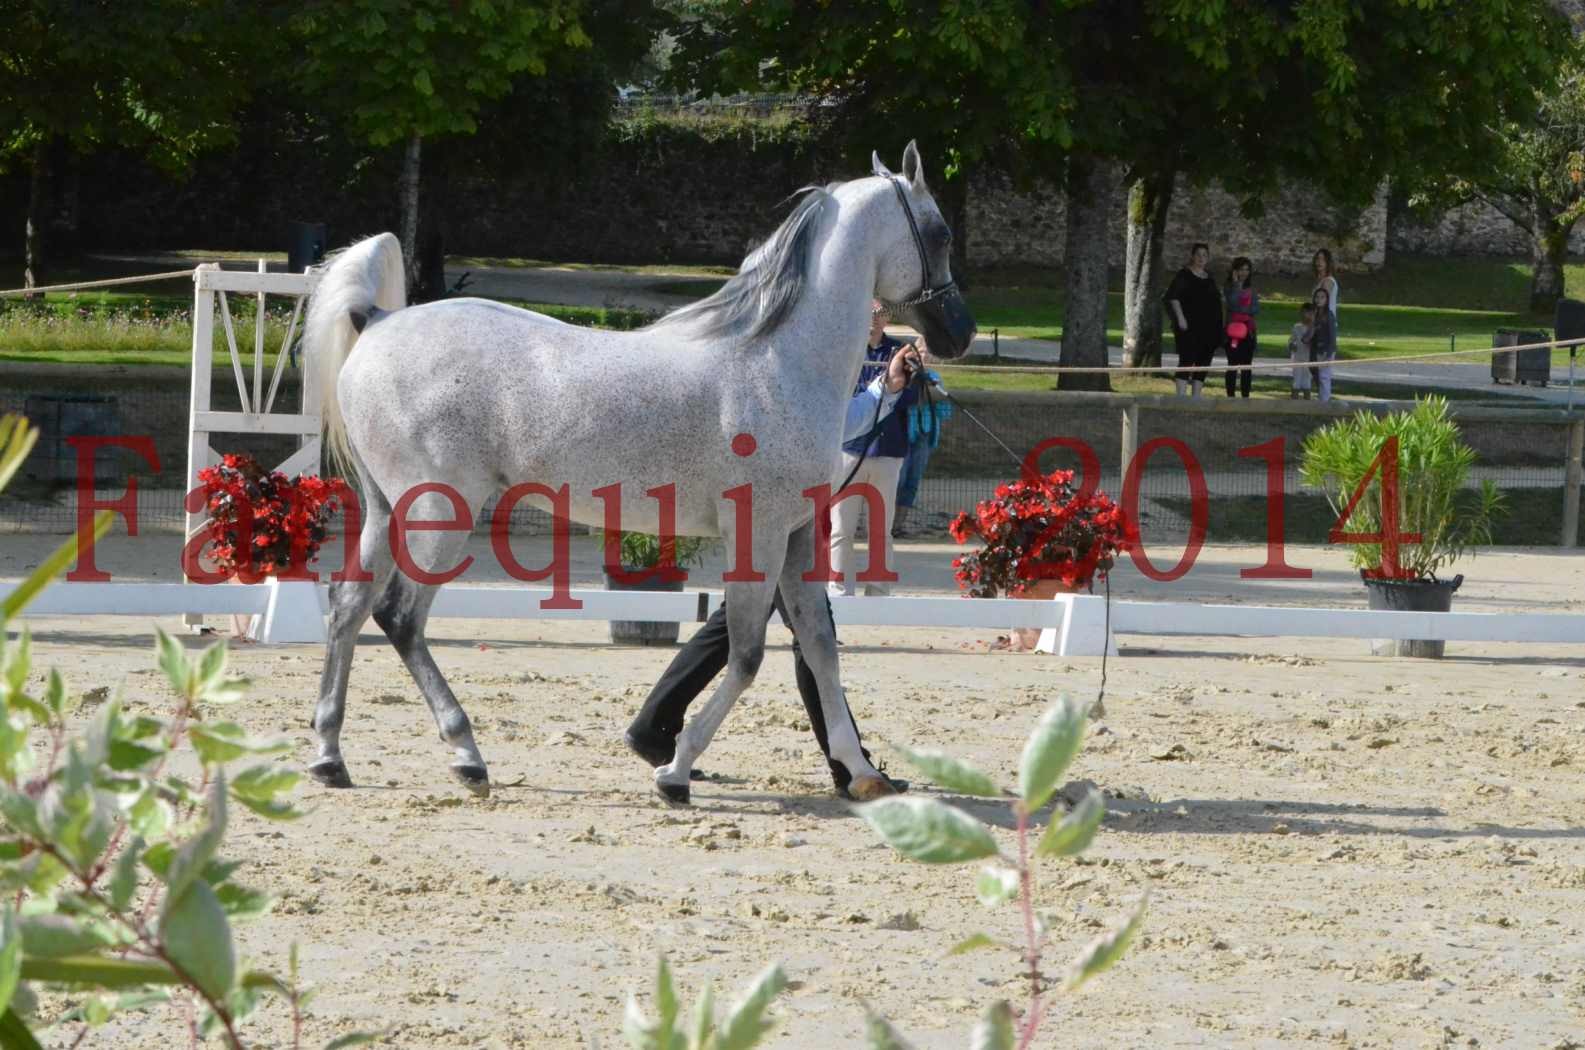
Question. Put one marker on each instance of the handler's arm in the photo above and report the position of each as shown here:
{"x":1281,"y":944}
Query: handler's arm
{"x":861,"y":409}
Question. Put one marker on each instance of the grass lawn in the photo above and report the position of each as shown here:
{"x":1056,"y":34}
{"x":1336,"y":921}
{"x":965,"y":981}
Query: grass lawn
{"x":1416,"y":305}
{"x":123,"y":328}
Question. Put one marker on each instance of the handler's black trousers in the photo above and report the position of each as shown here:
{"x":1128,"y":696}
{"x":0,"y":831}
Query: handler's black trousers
{"x":695,"y":667}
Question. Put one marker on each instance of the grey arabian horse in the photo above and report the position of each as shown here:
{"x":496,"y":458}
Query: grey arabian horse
{"x":480,"y":397}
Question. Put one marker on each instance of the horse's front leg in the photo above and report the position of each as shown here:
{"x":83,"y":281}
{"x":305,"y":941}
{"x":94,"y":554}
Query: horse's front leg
{"x":808,"y":612}
{"x":748,"y":606}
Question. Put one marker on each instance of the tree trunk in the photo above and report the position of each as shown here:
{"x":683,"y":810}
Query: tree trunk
{"x":1085,"y":254}
{"x":38,"y":211}
{"x":409,"y":190}
{"x":1548,"y":252}
{"x":1144,"y":279}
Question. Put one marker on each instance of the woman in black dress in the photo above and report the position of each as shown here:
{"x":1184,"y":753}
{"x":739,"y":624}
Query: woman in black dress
{"x":1194,"y":304}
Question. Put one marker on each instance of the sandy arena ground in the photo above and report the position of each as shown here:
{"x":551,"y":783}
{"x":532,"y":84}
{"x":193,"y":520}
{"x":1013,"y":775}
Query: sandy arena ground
{"x":1341,"y":849}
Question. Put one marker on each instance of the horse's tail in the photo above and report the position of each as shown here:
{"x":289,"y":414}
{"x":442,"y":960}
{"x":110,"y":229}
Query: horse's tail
{"x":355,"y":283}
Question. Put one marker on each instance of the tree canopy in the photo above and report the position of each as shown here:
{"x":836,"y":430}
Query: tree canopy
{"x":1339,"y":93}
{"x":401,"y":71}
{"x":161,"y":77}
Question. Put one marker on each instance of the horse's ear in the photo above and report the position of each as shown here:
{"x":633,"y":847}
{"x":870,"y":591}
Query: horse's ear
{"x":877,"y":167}
{"x":913,"y":167}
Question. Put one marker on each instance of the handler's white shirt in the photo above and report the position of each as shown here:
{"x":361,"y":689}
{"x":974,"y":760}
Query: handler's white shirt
{"x":861,"y":408}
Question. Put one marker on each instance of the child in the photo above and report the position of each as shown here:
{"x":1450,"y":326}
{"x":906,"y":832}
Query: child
{"x":1323,"y":343}
{"x":1299,"y":350}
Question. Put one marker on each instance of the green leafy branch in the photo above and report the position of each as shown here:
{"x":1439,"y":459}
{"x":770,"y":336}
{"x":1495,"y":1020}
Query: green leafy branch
{"x":91,"y":817}
{"x":932,"y":832}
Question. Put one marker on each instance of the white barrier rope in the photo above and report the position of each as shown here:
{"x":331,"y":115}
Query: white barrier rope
{"x":108,"y":282}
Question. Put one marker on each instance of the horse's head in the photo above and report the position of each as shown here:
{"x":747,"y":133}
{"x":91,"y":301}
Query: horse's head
{"x":915,"y":275}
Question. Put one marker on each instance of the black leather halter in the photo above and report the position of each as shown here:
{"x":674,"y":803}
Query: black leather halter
{"x":927,"y":290}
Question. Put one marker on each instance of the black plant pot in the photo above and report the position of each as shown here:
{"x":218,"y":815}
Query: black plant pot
{"x":1410,"y":596}
{"x":643,"y":632}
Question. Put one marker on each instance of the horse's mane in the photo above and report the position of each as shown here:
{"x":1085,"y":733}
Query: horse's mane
{"x":756,"y":299}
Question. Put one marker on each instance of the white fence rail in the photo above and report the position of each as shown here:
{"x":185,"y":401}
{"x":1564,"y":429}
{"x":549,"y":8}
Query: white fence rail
{"x":1072,"y":625}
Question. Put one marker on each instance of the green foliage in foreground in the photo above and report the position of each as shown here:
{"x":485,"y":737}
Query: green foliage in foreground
{"x":110,"y":866}
{"x":932,"y":832}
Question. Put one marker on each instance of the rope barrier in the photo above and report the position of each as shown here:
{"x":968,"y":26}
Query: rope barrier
{"x":1268,"y":366}
{"x":108,"y":282}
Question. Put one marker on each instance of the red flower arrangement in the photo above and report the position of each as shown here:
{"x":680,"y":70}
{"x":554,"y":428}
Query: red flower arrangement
{"x":1040,"y":528}
{"x":264,"y":522}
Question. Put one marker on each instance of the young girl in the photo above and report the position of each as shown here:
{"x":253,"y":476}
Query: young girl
{"x":1243,"y":303}
{"x":1299,"y":350}
{"x":1323,"y":342}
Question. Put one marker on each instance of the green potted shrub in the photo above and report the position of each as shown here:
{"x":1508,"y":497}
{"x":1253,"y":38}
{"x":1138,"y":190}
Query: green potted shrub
{"x":1439,"y":518}
{"x":640,"y":551}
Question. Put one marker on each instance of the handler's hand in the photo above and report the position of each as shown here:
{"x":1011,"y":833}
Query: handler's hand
{"x":904,"y":363}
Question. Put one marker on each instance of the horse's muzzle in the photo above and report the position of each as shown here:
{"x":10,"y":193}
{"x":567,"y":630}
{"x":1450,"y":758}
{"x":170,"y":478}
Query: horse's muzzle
{"x":945,"y":322}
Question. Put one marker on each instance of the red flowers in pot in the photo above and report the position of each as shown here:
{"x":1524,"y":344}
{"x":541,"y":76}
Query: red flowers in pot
{"x":1040,"y":528}
{"x":264,"y":522}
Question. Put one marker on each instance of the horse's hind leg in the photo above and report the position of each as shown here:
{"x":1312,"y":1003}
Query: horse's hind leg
{"x":403,"y":614}
{"x":351,"y":601}
{"x":747,"y":608}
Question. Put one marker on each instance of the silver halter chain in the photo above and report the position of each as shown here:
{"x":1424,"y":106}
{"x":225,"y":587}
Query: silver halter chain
{"x":926,"y":292}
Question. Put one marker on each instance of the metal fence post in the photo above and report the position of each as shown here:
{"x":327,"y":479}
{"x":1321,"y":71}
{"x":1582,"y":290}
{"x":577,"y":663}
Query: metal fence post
{"x":1130,"y":441}
{"x":1572,"y":478}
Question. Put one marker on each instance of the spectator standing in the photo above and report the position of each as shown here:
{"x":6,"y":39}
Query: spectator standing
{"x":1243,"y":304}
{"x":879,"y":462}
{"x":1195,"y":306}
{"x":1326,"y":277}
{"x":929,"y":410}
{"x":1299,"y":350}
{"x":1323,"y":343}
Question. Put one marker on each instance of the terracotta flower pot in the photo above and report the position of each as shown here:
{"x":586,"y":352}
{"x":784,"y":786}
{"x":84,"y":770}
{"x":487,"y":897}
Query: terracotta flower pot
{"x":1024,"y":639}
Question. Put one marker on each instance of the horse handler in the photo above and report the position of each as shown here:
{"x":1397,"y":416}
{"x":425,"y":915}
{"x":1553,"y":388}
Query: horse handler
{"x":653,"y":734}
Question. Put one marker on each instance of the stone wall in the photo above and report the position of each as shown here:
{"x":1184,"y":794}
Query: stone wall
{"x":1009,"y":227}
{"x":1471,"y":229}
{"x":664,"y":191}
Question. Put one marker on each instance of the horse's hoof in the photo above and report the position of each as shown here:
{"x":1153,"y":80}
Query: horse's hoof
{"x":868,"y":789}
{"x":475,"y":778}
{"x":676,"y":794}
{"x":331,"y":772}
